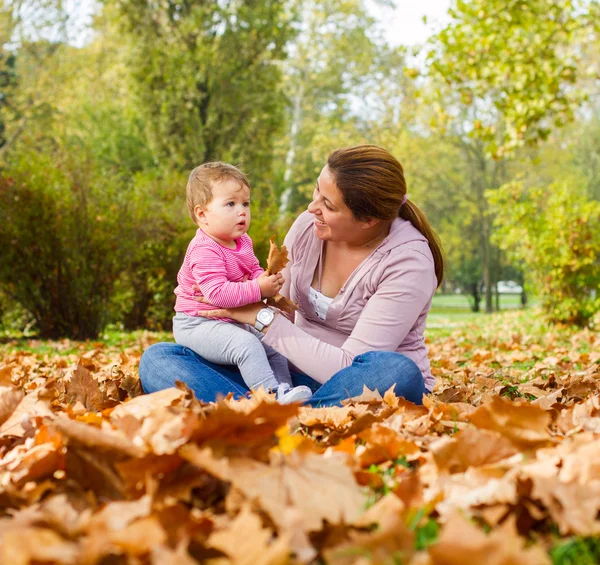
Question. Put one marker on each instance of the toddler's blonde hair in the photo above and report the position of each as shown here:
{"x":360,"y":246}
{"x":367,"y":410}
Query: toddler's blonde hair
{"x":199,"y":186}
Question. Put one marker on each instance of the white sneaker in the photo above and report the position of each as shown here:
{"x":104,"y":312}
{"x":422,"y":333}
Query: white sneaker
{"x":287,"y":394}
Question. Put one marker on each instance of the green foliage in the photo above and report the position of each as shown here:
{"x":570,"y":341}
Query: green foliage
{"x":555,"y":231}
{"x":512,"y":64}
{"x":206,"y":76}
{"x":62,"y":234}
{"x":426,"y":534}
{"x":576,"y":551}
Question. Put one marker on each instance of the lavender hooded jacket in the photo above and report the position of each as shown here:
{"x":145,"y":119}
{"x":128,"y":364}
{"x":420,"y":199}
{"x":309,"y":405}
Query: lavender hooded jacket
{"x":382,"y":306}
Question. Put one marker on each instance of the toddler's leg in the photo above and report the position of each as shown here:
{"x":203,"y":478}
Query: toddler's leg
{"x":277,"y":361}
{"x":227,"y":344}
{"x":286,"y":392}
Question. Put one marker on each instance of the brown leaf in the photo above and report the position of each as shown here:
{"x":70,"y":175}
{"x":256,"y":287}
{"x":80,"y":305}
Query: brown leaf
{"x":471,"y":447}
{"x":247,"y":422}
{"x":461,"y":542}
{"x":277,"y":259}
{"x":18,"y":424}
{"x":525,"y":424}
{"x":284,"y":304}
{"x":85,"y":388}
{"x":301,"y":481}
{"x":246,"y":542}
{"x":388,"y":539}
{"x":143,"y":406}
{"x":104,"y":440}
{"x":10,"y":397}
{"x":23,"y":546}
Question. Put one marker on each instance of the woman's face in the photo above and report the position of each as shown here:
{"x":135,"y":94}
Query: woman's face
{"x":333,"y":219}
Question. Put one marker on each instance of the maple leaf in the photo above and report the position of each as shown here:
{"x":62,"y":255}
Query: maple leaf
{"x":83,"y":387}
{"x":18,"y":424}
{"x":523,"y":423}
{"x":276,"y":262}
{"x":22,"y":546}
{"x":461,"y":542}
{"x":246,"y":542}
{"x":471,"y":447}
{"x":277,"y":258}
{"x":247,"y":424}
{"x":301,"y":482}
{"x":162,"y":555}
{"x":10,"y":397}
{"x":104,"y":440}
{"x":388,"y":538}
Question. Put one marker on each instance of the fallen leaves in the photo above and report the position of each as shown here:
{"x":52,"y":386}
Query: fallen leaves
{"x":502,"y":455}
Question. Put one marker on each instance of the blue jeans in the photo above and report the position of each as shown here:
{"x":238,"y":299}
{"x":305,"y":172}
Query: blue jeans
{"x":164,"y":363}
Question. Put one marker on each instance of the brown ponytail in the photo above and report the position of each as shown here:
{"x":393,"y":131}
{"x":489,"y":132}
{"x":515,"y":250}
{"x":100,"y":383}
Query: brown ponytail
{"x":372,"y":184}
{"x":417,"y":218}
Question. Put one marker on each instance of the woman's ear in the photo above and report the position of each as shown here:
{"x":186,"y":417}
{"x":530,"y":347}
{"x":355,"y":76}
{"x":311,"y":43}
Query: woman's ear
{"x":370,"y":222}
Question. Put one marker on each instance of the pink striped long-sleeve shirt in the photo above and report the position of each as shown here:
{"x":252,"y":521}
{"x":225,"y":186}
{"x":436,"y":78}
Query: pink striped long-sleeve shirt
{"x":219,"y":272}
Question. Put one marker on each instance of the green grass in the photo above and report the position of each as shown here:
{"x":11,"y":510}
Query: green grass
{"x":453,"y":311}
{"x":576,"y":551}
{"x":111,"y":338}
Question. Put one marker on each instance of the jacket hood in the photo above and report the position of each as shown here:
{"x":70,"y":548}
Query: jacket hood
{"x":401,"y":232}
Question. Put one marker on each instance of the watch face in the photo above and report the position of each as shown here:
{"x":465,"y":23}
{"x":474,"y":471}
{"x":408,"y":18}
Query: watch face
{"x":264,"y":316}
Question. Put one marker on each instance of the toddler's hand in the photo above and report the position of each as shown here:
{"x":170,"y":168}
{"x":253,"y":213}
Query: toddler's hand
{"x":270,"y":285}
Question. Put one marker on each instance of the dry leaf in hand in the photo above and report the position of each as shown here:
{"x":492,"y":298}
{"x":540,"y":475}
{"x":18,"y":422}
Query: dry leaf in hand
{"x":282,"y":303}
{"x":277,"y":259}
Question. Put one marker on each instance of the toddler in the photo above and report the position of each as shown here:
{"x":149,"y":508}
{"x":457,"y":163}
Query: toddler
{"x":221,"y":261}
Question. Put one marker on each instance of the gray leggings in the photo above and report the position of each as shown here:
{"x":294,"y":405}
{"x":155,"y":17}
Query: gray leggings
{"x":228,"y":343}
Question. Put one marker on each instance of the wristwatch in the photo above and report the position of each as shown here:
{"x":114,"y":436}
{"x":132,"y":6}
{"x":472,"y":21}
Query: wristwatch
{"x":264,"y":317}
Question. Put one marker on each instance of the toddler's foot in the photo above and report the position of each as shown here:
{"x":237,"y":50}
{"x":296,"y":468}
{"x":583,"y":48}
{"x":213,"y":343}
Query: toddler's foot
{"x":287,"y":394}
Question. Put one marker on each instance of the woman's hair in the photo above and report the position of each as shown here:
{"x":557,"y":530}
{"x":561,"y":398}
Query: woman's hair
{"x":372,"y":184}
{"x":199,"y":186}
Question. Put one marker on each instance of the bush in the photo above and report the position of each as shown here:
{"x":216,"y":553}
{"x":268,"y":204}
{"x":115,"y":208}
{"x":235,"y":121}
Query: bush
{"x":65,"y":236}
{"x":555,"y":231}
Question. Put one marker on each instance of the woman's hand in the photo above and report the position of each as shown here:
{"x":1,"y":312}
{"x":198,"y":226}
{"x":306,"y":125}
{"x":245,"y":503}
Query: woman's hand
{"x":270,"y":285}
{"x":242,"y":314}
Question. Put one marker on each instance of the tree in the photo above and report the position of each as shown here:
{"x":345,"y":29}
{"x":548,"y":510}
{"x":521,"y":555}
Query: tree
{"x":207,"y":77}
{"x":502,"y":74}
{"x":334,"y":56}
{"x":555,"y":231}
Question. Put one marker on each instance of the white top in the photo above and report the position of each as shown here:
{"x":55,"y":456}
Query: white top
{"x":319,"y":302}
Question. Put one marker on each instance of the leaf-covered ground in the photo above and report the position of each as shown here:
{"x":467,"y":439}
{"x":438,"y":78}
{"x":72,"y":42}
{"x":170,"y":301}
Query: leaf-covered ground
{"x":500,"y":466}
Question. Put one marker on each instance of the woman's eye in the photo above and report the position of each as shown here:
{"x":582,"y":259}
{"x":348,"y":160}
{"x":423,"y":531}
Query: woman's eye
{"x":327,"y":206}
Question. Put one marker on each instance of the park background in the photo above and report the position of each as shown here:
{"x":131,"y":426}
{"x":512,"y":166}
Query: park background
{"x":491,"y":106}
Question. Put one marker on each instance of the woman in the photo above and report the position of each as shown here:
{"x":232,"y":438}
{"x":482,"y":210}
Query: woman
{"x":364,"y":266}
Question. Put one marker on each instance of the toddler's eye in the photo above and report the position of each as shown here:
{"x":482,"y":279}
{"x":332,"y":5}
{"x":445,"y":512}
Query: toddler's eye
{"x":247,"y":204}
{"x":230,"y":203}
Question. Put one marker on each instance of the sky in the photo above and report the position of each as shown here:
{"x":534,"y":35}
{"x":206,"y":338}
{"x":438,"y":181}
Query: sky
{"x":402,"y":25}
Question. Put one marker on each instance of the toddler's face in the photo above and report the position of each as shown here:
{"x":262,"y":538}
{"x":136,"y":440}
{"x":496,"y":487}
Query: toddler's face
{"x":227,"y":216}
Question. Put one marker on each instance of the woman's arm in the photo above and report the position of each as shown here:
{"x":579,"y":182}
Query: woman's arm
{"x":386,"y":319}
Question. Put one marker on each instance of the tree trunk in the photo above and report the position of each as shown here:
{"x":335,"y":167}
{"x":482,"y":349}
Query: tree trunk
{"x":286,"y":196}
{"x":476,"y":297}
